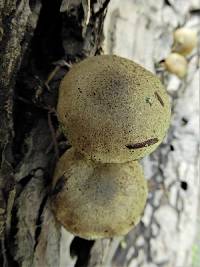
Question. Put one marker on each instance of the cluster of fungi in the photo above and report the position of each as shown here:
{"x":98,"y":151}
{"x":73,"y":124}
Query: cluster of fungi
{"x":185,"y":41}
{"x":114,"y":112}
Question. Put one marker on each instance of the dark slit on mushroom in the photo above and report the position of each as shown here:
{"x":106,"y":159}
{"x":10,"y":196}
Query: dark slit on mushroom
{"x":146,"y":143}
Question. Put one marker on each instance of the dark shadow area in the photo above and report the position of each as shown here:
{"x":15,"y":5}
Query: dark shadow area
{"x":81,"y":249}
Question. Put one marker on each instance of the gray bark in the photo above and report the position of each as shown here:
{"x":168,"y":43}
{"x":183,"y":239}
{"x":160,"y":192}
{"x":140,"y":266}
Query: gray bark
{"x":143,"y":31}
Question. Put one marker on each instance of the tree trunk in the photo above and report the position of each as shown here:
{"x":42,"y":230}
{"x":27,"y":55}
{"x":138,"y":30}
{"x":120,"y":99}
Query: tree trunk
{"x":39,"y":40}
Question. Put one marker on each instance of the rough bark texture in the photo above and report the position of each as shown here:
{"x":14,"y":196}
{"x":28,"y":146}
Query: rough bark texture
{"x":39,"y":39}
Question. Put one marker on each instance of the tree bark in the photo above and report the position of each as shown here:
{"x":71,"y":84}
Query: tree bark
{"x":39,"y":40}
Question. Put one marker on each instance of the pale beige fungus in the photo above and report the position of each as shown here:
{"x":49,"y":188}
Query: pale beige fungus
{"x":185,"y":40}
{"x":176,"y":64}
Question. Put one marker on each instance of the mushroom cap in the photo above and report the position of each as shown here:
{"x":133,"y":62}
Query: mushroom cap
{"x":176,"y":64}
{"x":185,"y":40}
{"x":94,"y":200}
{"x":112,"y":109}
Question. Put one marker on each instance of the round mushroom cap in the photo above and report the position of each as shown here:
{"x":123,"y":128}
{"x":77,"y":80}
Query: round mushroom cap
{"x":176,"y":64}
{"x":185,"y":40}
{"x":112,"y":109}
{"x":94,"y":200}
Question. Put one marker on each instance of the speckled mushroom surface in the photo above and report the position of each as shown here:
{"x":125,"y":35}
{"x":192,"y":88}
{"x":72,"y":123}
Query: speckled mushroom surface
{"x":94,"y":200}
{"x":112,"y":109}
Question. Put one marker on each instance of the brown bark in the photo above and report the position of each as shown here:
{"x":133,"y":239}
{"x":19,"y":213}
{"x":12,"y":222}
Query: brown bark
{"x":39,"y":40}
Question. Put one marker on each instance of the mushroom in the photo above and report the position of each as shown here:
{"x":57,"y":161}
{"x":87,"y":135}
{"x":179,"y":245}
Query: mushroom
{"x":112,"y":109}
{"x":185,"y":40}
{"x":176,"y":64}
{"x":114,"y":112}
{"x":95,"y":200}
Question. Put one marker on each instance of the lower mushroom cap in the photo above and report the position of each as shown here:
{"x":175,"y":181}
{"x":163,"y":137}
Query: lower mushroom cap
{"x":97,"y":200}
